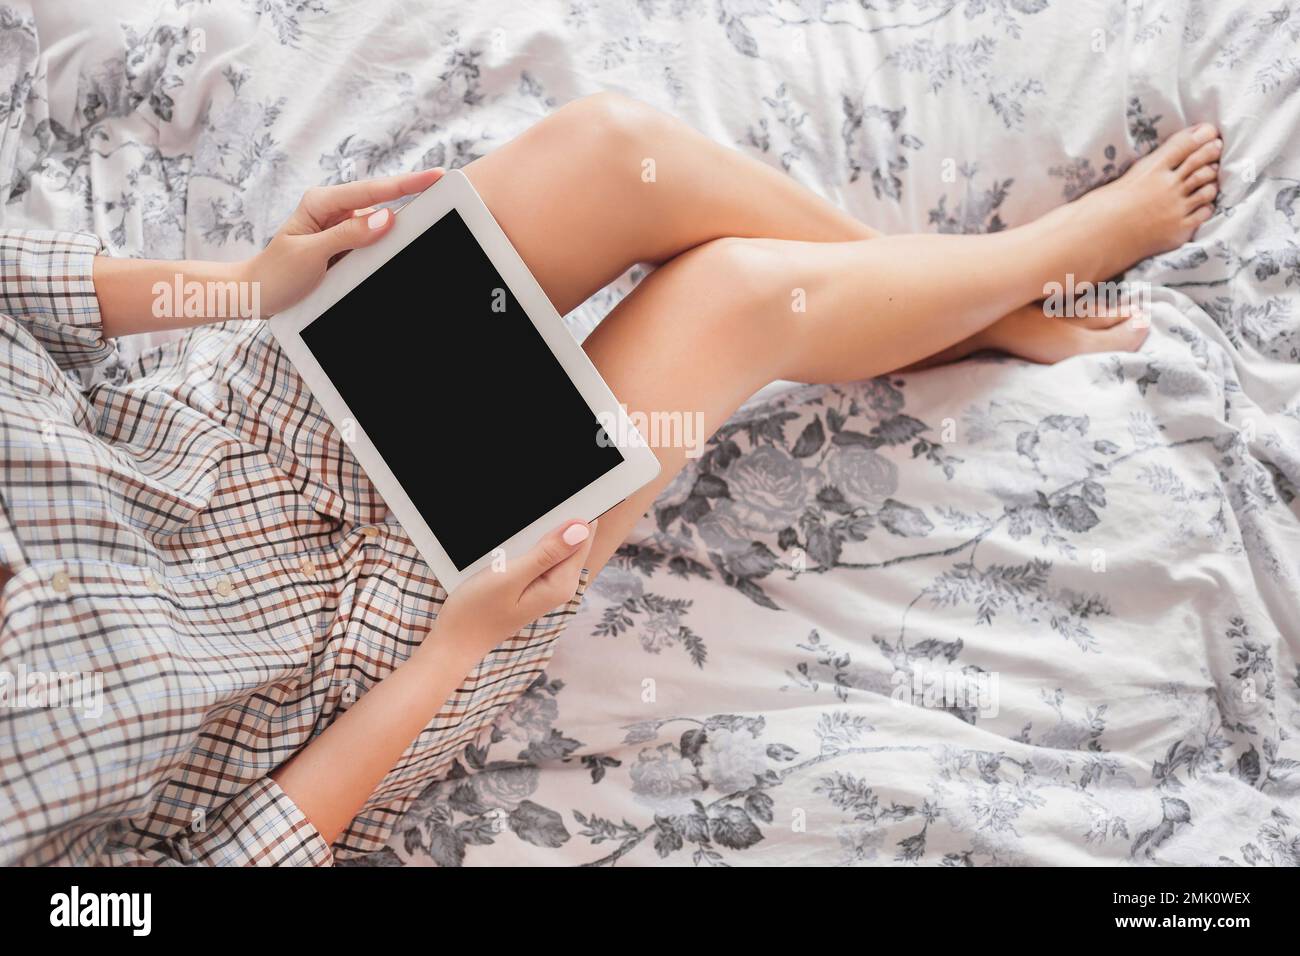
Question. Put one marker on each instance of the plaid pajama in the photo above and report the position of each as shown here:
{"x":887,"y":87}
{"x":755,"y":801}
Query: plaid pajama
{"x":193,"y":534}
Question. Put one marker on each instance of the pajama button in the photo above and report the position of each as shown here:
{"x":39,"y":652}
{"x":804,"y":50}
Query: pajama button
{"x":60,"y":582}
{"x":152,"y":583}
{"x":224,"y":587}
{"x":308,"y":566}
{"x":370,"y":532}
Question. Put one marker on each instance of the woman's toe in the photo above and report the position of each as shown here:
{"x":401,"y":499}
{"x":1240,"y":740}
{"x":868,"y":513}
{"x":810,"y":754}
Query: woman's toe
{"x":1204,"y":195}
{"x":1203,"y":156}
{"x":1206,"y":174}
{"x":1177,"y":148}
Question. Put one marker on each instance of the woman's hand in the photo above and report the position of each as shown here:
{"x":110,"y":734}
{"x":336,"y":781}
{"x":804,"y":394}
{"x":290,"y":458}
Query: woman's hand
{"x":492,"y":605}
{"x":329,"y":221}
{"x":148,"y":295}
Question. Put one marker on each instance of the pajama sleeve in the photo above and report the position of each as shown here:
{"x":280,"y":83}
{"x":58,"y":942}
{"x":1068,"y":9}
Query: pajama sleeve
{"x":47,"y":284}
{"x":261,"y":826}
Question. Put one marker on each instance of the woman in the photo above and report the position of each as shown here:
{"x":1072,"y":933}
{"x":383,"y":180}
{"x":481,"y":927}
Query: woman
{"x":281,"y":673}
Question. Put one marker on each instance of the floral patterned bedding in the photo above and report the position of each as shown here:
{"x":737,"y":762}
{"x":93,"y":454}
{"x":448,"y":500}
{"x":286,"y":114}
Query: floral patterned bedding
{"x":987,"y":614}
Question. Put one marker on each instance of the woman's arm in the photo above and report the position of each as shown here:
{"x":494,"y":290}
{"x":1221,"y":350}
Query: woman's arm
{"x":150,"y":295}
{"x":141,"y":295}
{"x":331,"y":778}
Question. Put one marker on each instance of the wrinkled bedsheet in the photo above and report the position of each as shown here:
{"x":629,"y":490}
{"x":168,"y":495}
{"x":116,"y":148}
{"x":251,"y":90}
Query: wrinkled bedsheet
{"x":994,"y":613}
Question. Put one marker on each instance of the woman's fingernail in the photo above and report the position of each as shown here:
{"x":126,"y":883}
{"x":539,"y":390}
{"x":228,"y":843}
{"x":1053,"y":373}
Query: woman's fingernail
{"x":576,"y":534}
{"x":379,"y":219}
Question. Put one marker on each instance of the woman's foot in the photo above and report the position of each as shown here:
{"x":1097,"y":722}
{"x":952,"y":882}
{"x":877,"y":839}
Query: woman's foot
{"x":1030,"y":334}
{"x":1155,"y":206}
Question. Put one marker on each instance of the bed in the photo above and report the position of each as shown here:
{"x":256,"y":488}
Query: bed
{"x":994,"y":613}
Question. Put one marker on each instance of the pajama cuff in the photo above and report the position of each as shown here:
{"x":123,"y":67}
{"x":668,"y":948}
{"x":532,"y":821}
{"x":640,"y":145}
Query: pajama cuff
{"x":47,"y":283}
{"x":262,"y":826}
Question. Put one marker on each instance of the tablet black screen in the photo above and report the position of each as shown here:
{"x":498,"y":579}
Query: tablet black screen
{"x":466,"y":403}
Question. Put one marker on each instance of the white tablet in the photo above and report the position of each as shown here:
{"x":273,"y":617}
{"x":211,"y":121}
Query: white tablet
{"x":459,"y":389}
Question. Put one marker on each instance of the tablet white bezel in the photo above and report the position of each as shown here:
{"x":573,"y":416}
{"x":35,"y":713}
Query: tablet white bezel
{"x":454,"y":191}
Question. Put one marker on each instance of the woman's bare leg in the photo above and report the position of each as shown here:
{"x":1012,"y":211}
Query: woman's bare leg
{"x":713,"y":325}
{"x":716,"y":323}
{"x":572,"y":194}
{"x":818,"y":303}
